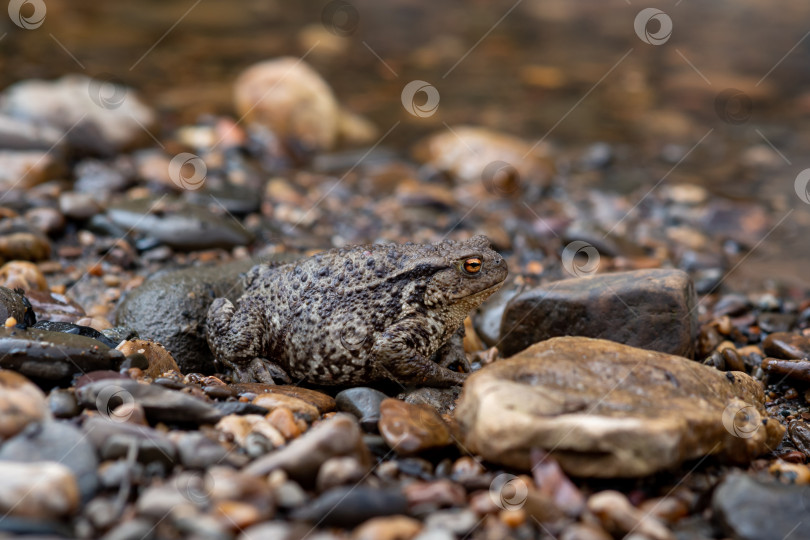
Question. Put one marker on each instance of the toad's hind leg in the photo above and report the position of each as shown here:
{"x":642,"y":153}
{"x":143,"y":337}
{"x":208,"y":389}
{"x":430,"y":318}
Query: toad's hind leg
{"x":400,"y":361}
{"x":237,"y":337}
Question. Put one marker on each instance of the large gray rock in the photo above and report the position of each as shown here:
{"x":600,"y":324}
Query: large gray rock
{"x":650,"y":309}
{"x":752,"y":509}
{"x":603,"y":409}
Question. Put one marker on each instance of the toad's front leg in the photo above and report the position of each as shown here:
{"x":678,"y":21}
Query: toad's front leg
{"x":238,"y":338}
{"x":399,"y":358}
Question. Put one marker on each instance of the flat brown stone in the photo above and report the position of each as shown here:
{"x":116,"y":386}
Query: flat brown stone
{"x":603,"y":409}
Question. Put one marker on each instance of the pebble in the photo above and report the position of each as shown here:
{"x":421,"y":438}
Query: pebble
{"x":289,"y":98}
{"x":319,"y":400}
{"x":409,"y":429}
{"x":79,"y":206}
{"x":649,"y":309}
{"x":301,"y":459}
{"x":758,"y":509}
{"x":435,"y":494}
{"x":476,"y":155}
{"x":42,"y":490}
{"x":786,"y":345}
{"x":160,"y":404}
{"x":21,"y":403}
{"x":75,"y":329}
{"x":363,"y":403}
{"x":19,"y":240}
{"x":62,"y":403}
{"x":338,"y":471}
{"x":53,"y":356}
{"x":178,"y":224}
{"x":351,"y":505}
{"x":302,"y":409}
{"x":388,"y":528}
{"x":674,"y":409}
{"x":24,"y":169}
{"x":583,"y":531}
{"x":441,"y":400}
{"x":22,"y":275}
{"x":459,"y":521}
{"x":795,"y":369}
{"x":113,"y":439}
{"x":47,"y":220}
{"x":242,"y":427}
{"x":620,"y":517}
{"x":198,"y":451}
{"x":20,"y":134}
{"x":95,"y":115}
{"x":160,"y":360}
{"x":285,"y":422}
{"x":15,"y":305}
{"x":57,"y":441}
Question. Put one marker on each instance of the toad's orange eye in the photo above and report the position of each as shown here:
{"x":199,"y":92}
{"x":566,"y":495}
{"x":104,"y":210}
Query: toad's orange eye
{"x":472,"y":265}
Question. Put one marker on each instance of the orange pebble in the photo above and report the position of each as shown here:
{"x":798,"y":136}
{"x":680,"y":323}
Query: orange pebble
{"x":11,"y":321}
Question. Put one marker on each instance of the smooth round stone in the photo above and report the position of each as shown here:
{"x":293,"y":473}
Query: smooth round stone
{"x":459,"y":521}
{"x":160,"y":360}
{"x":62,"y":403}
{"x":13,"y":304}
{"x":338,"y":471}
{"x":388,"y":528}
{"x":319,"y":400}
{"x":363,"y":403}
{"x":53,"y":307}
{"x":58,"y":441}
{"x":22,"y":275}
{"x":409,"y":429}
{"x":75,"y":329}
{"x":43,"y":490}
{"x":21,"y":242}
{"x":21,"y":403}
{"x":787,"y":345}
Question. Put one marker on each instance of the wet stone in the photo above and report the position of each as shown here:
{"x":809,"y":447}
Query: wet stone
{"x":159,"y":359}
{"x":21,"y":403}
{"x":22,"y":275}
{"x":609,"y":410}
{"x":53,"y":356}
{"x":57,"y":441}
{"x":75,"y":329}
{"x":197,"y":451}
{"x":339,"y":471}
{"x":113,"y":439}
{"x":363,"y":403}
{"x":178,"y":224}
{"x":62,"y":403}
{"x":14,"y":304}
{"x":753,"y":509}
{"x":649,"y":309}
{"x":43,"y":490}
{"x":441,"y":400}
{"x":319,"y":400}
{"x":409,"y":429}
{"x":170,"y":308}
{"x":78,"y":206}
{"x":301,"y":458}
{"x":388,"y":528}
{"x":787,"y":345}
{"x":351,"y":505}
{"x":159,"y":403}
{"x":53,"y":307}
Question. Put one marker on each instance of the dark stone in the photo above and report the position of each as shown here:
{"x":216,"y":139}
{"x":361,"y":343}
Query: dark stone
{"x":160,"y":404}
{"x":56,"y":441}
{"x":488,"y":320}
{"x":751,"y":509}
{"x":171,"y":308}
{"x":113,"y":439}
{"x":178,"y":224}
{"x":364,"y":404}
{"x":786,"y":345}
{"x":15,"y":304}
{"x":63,"y":403}
{"x":239,"y":407}
{"x":76,"y":329}
{"x":348,"y":506}
{"x":442,"y":400}
{"x":649,"y":309}
{"x":53,"y":356}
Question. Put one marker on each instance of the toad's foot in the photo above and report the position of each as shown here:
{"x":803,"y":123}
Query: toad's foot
{"x":260,"y":370}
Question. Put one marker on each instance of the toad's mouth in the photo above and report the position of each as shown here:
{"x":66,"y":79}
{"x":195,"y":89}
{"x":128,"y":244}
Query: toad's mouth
{"x":483,"y":292}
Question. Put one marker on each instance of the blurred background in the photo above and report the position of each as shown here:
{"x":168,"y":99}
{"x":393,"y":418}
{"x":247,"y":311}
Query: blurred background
{"x":722,"y":101}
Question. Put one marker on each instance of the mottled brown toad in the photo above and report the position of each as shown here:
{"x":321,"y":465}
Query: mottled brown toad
{"x":356,"y":315}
